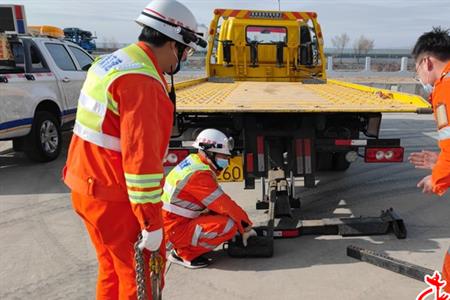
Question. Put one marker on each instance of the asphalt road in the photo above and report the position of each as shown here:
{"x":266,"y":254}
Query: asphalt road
{"x":46,"y":253}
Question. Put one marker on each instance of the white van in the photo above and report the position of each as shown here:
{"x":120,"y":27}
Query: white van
{"x":39,"y":88}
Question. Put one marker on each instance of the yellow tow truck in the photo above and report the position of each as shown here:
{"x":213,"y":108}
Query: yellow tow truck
{"x":266,"y":86}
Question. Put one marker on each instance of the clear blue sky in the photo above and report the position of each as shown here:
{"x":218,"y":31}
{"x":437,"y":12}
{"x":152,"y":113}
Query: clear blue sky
{"x":391,"y":23}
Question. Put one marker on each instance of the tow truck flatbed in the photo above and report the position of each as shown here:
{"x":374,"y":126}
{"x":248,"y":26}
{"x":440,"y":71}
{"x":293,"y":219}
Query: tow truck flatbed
{"x":206,"y":96}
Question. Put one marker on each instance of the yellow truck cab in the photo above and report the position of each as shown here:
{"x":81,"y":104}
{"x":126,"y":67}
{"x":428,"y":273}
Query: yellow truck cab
{"x":265,"y":46}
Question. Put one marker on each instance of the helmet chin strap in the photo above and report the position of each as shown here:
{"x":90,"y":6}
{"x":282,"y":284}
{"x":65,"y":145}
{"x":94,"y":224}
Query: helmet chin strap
{"x":179,"y":57}
{"x":212,"y":158}
{"x":172,"y":94}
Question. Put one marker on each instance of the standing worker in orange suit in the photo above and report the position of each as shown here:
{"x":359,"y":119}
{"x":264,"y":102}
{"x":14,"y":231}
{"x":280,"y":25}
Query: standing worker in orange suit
{"x":198,"y":215}
{"x":432,"y":55}
{"x":122,"y":130}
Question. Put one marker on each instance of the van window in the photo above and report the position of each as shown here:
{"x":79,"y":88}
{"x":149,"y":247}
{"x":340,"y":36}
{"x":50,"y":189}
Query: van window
{"x":83,"y":59}
{"x":38,"y":63}
{"x":17,"y":65}
{"x":61,"y":56}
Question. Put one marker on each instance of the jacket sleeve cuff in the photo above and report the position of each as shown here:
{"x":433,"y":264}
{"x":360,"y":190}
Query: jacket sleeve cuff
{"x":148,"y":215}
{"x":439,"y":189}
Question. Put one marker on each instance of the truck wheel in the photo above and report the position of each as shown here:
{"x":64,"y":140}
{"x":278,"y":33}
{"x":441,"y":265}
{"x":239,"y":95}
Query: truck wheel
{"x":324,"y":161}
{"x":43,"y":143}
{"x":339,"y":162}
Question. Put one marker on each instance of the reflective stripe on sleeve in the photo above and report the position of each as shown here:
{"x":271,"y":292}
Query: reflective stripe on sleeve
{"x":212,"y":197}
{"x":180,"y":211}
{"x":187,"y":204}
{"x":142,"y":197}
{"x":143,"y":180}
{"x":444,"y":133}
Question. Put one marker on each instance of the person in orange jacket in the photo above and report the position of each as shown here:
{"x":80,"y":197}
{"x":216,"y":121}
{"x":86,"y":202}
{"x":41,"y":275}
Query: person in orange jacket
{"x":432,"y":56}
{"x":198,"y":215}
{"x":123,"y":125}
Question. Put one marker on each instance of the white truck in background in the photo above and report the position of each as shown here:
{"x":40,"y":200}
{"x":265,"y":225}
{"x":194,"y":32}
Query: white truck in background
{"x":40,"y":80}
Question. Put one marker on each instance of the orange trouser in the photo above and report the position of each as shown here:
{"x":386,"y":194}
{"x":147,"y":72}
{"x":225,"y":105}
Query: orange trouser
{"x":446,"y":271}
{"x":113,"y":229}
{"x":194,"y":237}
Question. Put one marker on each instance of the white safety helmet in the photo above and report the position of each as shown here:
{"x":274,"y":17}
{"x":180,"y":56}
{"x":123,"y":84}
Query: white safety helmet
{"x":213,"y":140}
{"x":172,"y":19}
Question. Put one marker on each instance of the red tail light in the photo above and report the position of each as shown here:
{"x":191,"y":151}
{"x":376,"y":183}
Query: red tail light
{"x":175,"y":156}
{"x":249,"y":162}
{"x":384,"y":155}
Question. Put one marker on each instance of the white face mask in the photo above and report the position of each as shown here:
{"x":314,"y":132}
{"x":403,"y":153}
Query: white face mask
{"x":222,"y":163}
{"x":427,"y":88}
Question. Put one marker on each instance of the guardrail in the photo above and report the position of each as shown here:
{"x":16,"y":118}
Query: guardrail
{"x":368,"y":70}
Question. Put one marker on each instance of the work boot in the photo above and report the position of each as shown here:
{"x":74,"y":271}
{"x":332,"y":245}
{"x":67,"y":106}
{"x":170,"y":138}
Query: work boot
{"x":196,"y":263}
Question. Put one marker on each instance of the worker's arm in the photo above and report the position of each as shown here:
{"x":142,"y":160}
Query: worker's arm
{"x":141,"y":143}
{"x":208,"y":192}
{"x":441,"y":171}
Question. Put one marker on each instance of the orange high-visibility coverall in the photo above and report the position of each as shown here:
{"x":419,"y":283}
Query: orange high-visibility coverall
{"x":194,"y":237}
{"x":99,"y":188}
{"x":440,"y":99}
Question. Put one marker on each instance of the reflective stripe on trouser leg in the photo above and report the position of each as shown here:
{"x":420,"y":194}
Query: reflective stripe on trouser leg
{"x":117,"y":229}
{"x":216,"y":229}
{"x":446,"y":271}
{"x":196,"y":235}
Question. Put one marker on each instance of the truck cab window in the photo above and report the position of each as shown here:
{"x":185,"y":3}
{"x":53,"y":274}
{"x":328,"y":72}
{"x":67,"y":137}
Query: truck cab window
{"x":61,"y":56}
{"x":266,"y":35}
{"x":83,"y":59}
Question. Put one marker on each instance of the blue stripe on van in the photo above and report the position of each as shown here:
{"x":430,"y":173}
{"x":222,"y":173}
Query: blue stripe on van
{"x":70,"y":112}
{"x":16,"y":123}
{"x":29,"y":121}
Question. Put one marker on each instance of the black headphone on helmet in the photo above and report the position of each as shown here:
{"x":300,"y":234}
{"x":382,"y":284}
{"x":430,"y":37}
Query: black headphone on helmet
{"x":188,"y":35}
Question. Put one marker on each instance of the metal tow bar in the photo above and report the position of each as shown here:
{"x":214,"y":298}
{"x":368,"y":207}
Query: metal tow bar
{"x":389,"y":263}
{"x":156,"y":265}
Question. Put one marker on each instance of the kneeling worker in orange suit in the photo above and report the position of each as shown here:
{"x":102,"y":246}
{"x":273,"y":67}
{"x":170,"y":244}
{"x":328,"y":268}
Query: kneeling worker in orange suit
{"x":122,"y":130}
{"x":432,"y":55}
{"x":198,"y":215}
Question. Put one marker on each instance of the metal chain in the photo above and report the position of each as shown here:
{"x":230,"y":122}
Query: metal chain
{"x":140,"y":272}
{"x":156,"y":269}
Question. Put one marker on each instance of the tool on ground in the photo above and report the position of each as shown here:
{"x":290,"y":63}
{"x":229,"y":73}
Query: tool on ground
{"x":389,"y":263}
{"x":257,"y":246}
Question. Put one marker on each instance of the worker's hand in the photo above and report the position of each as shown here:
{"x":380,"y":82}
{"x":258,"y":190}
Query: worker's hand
{"x":424,"y":159}
{"x":151,"y":240}
{"x":426,"y":185}
{"x":248,"y":232}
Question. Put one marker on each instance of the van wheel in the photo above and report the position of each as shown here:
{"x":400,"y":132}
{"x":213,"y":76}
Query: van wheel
{"x":44,"y":143}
